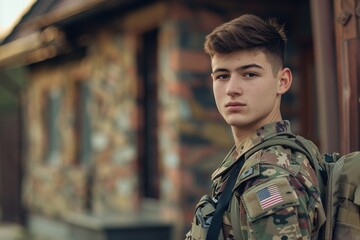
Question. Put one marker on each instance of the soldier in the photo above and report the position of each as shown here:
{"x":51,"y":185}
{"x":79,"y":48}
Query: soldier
{"x":276,"y":194}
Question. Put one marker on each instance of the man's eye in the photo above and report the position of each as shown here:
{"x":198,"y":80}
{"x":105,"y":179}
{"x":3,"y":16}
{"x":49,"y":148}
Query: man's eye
{"x":250,"y":75}
{"x":222,"y":77}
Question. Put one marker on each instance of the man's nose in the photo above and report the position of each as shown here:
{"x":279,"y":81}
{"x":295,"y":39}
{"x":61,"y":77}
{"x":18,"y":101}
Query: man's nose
{"x":234,"y":86}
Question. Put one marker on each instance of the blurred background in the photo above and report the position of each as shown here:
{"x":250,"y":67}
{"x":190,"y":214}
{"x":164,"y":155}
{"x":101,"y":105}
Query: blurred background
{"x":108,"y":127}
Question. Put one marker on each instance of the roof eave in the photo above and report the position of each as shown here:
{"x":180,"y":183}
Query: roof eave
{"x":35,"y":47}
{"x":32,"y":47}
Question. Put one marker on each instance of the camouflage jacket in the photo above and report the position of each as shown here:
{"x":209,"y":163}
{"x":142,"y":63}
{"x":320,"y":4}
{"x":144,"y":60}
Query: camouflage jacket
{"x":276,"y":194}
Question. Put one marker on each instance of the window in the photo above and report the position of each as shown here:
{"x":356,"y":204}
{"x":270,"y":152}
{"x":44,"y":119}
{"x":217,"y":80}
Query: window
{"x":82,"y":123}
{"x":52,"y":110}
{"x":148,"y":141}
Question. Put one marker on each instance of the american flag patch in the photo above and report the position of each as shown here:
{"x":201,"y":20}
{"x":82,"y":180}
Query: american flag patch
{"x":269,"y":196}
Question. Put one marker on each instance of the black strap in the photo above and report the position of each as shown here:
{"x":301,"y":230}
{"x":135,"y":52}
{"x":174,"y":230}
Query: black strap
{"x":217,"y":220}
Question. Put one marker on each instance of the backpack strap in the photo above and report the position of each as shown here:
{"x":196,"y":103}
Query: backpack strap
{"x":300,"y":144}
{"x":297,"y":143}
{"x":221,"y":206}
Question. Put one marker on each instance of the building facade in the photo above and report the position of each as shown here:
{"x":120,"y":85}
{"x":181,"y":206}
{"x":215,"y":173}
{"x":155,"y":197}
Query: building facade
{"x":119,"y":129}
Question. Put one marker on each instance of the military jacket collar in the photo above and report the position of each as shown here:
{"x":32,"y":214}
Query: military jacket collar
{"x":260,"y":135}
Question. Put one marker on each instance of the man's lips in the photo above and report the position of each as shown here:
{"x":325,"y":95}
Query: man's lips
{"x":235,"y":104}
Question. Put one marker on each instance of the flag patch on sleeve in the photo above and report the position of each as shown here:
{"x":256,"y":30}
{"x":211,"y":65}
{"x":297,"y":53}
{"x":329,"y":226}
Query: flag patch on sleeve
{"x":261,"y":198}
{"x":269,"y":196}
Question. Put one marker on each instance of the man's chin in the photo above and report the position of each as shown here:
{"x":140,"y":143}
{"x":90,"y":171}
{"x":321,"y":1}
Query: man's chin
{"x":239,"y":124}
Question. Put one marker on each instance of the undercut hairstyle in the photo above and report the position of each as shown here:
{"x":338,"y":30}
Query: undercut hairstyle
{"x":249,"y":32}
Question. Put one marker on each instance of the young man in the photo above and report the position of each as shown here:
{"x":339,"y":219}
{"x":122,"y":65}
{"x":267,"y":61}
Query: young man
{"x":276,"y":194}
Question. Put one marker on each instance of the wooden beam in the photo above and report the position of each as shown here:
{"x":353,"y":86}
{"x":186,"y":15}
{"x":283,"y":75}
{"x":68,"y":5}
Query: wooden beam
{"x":61,"y":13}
{"x":326,"y":80}
{"x":35,"y":47}
{"x":347,"y":14}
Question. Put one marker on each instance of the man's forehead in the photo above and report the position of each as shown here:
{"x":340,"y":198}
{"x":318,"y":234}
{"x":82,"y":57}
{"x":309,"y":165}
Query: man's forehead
{"x":238,"y":59}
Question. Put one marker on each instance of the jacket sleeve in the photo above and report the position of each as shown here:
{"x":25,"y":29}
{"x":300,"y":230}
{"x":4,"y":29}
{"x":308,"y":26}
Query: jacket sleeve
{"x":280,"y":203}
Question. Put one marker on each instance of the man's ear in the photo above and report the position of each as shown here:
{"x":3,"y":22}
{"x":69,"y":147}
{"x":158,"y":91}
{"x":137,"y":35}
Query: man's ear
{"x":285,"y":80}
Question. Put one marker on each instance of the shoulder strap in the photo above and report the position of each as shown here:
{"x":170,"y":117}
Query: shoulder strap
{"x":302,"y":145}
{"x":217,"y":221}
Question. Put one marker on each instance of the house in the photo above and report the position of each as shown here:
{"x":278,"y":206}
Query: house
{"x":115,"y":119}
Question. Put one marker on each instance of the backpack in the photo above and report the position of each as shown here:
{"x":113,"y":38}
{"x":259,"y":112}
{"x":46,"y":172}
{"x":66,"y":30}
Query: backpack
{"x":339,"y":180}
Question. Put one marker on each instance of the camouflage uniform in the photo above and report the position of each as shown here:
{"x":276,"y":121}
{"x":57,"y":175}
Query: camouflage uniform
{"x":276,"y":194}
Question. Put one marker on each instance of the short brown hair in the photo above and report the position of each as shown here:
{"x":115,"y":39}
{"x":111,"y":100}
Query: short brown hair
{"x":248,"y":32}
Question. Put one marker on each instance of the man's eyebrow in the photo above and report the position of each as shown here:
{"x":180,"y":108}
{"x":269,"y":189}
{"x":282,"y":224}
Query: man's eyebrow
{"x":220,"y":70}
{"x":253,"y":65}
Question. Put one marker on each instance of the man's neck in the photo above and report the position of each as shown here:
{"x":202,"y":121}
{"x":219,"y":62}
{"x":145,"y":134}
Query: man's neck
{"x":241,"y":135}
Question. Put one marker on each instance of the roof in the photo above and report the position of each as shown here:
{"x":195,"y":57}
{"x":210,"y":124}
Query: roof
{"x":47,"y":12}
{"x":42,"y":29}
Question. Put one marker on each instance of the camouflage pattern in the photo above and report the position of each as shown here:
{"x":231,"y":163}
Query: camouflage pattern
{"x":292,"y":211}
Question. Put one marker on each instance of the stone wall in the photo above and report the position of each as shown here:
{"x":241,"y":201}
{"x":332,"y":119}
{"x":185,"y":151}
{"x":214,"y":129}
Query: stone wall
{"x":113,"y":81}
{"x":61,"y":185}
{"x":52,"y":188}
